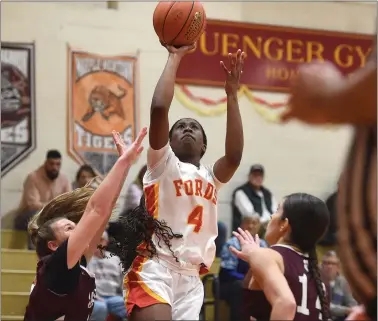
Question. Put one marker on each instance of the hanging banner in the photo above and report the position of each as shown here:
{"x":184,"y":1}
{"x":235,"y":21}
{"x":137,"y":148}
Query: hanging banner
{"x":273,"y":53}
{"x":102,"y":98}
{"x":18,"y":130}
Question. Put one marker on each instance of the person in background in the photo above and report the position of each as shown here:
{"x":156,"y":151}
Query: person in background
{"x":252,"y":197}
{"x":40,"y":187}
{"x":83,"y":176}
{"x":322,"y":95}
{"x":233,"y":270}
{"x":221,"y":238}
{"x":109,"y":279}
{"x":135,"y":191}
{"x":328,"y":241}
{"x":341,"y":297}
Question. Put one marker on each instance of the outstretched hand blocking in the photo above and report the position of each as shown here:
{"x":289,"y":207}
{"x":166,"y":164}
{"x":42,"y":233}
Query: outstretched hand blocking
{"x":132,"y":152}
{"x":233,"y":71}
{"x":248,"y":244}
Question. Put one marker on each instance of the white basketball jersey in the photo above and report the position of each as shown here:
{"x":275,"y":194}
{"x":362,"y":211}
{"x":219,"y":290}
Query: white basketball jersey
{"x":185,"y":197}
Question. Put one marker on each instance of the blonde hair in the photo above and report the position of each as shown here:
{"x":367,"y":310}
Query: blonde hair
{"x":69,"y":205}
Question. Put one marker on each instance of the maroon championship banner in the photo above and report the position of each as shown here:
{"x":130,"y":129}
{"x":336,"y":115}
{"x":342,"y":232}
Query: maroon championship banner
{"x":273,"y":53}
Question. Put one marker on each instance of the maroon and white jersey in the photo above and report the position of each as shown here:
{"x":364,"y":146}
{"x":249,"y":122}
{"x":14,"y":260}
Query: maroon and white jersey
{"x":301,"y":283}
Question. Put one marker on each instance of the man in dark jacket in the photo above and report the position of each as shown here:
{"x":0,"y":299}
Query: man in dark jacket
{"x":252,"y":197}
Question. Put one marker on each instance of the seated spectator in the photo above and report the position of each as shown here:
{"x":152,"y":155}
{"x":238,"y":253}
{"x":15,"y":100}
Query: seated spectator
{"x":341,"y":297}
{"x":233,"y":270}
{"x":135,"y":191}
{"x":40,"y":187}
{"x":109,"y":281}
{"x":221,"y":238}
{"x":83,"y":176}
{"x":253,"y":197}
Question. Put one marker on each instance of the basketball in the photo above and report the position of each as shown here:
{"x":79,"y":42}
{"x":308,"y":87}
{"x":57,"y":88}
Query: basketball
{"x":179,"y":23}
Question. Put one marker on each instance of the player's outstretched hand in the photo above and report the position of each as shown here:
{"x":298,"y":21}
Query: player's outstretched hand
{"x":131,"y":153}
{"x":248,"y":244}
{"x":181,"y":51}
{"x":233,"y":72}
{"x":315,"y":94}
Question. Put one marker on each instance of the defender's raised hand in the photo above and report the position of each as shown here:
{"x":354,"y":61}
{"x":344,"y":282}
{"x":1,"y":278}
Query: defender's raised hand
{"x":248,"y":244}
{"x":132,"y":152}
{"x":233,"y":72}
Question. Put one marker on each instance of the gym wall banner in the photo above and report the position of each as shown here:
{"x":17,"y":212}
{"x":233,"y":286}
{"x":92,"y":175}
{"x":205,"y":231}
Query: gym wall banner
{"x":18,"y":112}
{"x":273,"y":54}
{"x":101,"y":97}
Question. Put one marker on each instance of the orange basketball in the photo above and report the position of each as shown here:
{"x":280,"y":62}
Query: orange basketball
{"x":179,"y":23}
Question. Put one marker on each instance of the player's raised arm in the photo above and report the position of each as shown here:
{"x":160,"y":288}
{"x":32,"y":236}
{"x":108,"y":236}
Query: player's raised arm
{"x":162,"y":98}
{"x":101,"y":204}
{"x":226,"y":166}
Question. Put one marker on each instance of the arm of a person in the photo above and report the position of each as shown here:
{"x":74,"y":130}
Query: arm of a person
{"x":349,"y":299}
{"x":359,"y":100}
{"x":97,"y":212}
{"x":343,"y":309}
{"x":94,"y":243}
{"x":266,"y":267}
{"x":226,"y":166}
{"x":32,"y":195}
{"x":161,"y":102}
{"x":243,"y":204}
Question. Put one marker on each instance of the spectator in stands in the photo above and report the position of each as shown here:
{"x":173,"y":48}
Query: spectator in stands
{"x":341,"y":297}
{"x":109,"y":281}
{"x":40,"y":187}
{"x":328,"y":242}
{"x":252,"y":197}
{"x":220,"y":241}
{"x":84,"y":175}
{"x":135,"y":191}
{"x":233,"y":270}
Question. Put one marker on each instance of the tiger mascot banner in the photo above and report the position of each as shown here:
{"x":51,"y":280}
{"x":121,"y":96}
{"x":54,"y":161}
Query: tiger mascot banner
{"x":101,"y":98}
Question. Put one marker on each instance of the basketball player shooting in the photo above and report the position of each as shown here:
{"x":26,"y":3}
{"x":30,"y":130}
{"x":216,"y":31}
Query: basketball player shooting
{"x":284,"y":281}
{"x":182,"y":192}
{"x":63,"y":287}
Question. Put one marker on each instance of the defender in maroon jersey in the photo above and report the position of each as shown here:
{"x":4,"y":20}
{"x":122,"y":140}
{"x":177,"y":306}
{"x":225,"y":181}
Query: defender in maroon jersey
{"x":57,"y":287}
{"x":63,"y":287}
{"x":284,"y":281}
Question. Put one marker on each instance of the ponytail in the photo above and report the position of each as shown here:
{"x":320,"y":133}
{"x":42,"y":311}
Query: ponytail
{"x":314,"y":270}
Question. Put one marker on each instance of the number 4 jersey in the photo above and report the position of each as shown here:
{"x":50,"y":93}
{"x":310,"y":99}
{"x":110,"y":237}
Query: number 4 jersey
{"x":185,"y":197}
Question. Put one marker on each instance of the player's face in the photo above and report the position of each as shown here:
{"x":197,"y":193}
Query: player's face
{"x":187,"y":138}
{"x":277,"y":227}
{"x":62,"y":230}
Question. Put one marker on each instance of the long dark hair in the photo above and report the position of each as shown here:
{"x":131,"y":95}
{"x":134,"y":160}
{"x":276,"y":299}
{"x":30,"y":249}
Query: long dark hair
{"x":133,"y":231}
{"x":308,"y":217}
